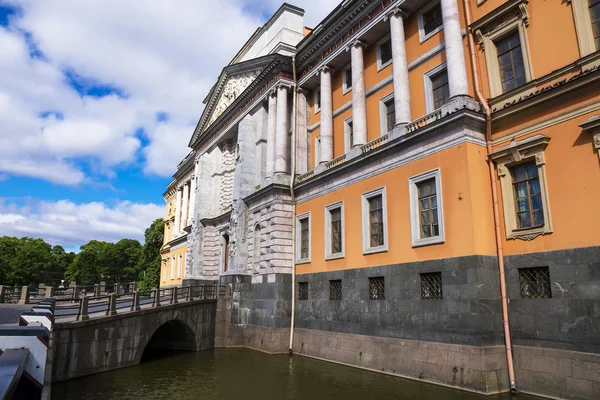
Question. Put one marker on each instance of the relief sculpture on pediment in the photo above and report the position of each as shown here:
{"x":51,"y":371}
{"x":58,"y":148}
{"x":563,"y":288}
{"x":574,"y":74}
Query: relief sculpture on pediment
{"x":232,"y":89}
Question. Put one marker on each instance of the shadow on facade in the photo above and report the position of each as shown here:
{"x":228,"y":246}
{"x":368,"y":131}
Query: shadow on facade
{"x":170,"y":339}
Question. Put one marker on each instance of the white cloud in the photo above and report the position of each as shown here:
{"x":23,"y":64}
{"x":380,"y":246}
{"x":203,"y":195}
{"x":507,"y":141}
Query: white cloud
{"x":69,"y":224}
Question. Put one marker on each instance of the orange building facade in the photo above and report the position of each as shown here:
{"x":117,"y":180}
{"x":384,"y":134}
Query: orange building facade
{"x":410,"y":187}
{"x":395,"y":226}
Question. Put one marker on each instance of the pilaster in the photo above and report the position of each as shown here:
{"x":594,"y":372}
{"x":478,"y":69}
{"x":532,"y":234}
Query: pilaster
{"x":326,"y":115}
{"x":271,"y":129}
{"x":281,"y":132}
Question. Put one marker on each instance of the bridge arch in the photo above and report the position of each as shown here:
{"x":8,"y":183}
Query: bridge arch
{"x":173,"y":330}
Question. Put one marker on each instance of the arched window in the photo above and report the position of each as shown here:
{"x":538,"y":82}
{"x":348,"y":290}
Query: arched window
{"x":225,"y":252}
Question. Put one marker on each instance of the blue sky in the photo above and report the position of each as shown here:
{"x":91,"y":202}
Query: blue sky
{"x":98,"y":100}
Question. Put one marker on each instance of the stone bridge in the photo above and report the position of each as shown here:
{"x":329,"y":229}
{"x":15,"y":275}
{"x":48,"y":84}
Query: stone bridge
{"x":80,"y":348}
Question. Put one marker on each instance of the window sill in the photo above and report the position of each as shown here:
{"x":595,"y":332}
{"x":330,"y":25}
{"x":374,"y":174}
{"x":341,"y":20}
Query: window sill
{"x":303,"y":261}
{"x":428,"y":241}
{"x":529,"y":234}
{"x":345,"y":91}
{"x":383,"y":66}
{"x":424,"y":38}
{"x":336,"y":256}
{"x":374,"y":250}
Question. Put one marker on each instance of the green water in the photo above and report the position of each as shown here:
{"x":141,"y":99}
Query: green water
{"x":245,"y":374}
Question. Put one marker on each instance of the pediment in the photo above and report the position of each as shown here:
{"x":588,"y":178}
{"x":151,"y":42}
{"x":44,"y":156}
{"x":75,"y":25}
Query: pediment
{"x":232,"y":88}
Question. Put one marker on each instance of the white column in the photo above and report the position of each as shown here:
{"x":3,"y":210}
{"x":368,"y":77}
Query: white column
{"x":184,"y":205}
{"x":176,"y":228}
{"x":359,"y":101}
{"x":400,"y":68}
{"x":281,"y":133}
{"x":455,"y":55}
{"x":301,"y":133}
{"x":271,"y":128}
{"x":326,"y":116}
{"x":192,"y":203}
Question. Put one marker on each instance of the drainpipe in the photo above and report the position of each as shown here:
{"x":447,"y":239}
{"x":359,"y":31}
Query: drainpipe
{"x":499,"y":248}
{"x":292,"y":179}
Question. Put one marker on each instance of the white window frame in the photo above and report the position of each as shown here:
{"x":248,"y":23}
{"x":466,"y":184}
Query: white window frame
{"x":173,"y":268}
{"x":328,"y":254}
{"x":163,"y":270}
{"x":367,"y":249}
{"x":383,"y":113}
{"x":347,"y":145}
{"x":179,"y":264}
{"x":300,"y":217}
{"x":316,"y":103}
{"x":345,"y":88}
{"x":583,"y":26}
{"x":380,"y":64}
{"x":422,"y":36}
{"x":429,"y":103}
{"x":530,"y":149}
{"x":415,"y":225}
{"x":491,"y":54}
{"x":317,"y":150}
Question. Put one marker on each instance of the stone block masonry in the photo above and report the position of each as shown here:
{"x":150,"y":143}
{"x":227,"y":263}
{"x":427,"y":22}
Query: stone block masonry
{"x":104,"y":344}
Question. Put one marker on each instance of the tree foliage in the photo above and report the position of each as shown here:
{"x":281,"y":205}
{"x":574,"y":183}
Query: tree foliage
{"x":29,"y":261}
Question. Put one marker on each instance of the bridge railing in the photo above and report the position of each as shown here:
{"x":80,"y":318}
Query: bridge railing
{"x":125,"y":302}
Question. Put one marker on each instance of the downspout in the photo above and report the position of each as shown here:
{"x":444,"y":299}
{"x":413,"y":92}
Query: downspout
{"x":292,"y":179}
{"x":499,"y":248}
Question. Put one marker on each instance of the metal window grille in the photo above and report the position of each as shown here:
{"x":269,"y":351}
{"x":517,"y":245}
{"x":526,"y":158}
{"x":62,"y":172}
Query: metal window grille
{"x":431,"y":286}
{"x":303,"y":291}
{"x":377,"y":288}
{"x":535,"y":283}
{"x":335,"y":290}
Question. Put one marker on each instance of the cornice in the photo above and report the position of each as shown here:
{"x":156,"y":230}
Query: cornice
{"x":218,"y":220}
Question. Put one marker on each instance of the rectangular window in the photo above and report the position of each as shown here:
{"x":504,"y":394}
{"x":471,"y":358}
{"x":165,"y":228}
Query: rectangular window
{"x":347,"y":79}
{"x":595,"y":17}
{"x":334,"y":231}
{"x":374,"y":222}
{"x":303,"y":291}
{"x":528,"y":197}
{"x":317,"y":150}
{"x":510,"y":61}
{"x":431,"y":286}
{"x":426,"y":208}
{"x":390,"y":114}
{"x":173,"y":267}
{"x":303,"y":238}
{"x":377,"y":288}
{"x":440,"y":89}
{"x":225,"y":254}
{"x":179,"y":266}
{"x":317,"y":99}
{"x":535,"y":283}
{"x":428,"y":215}
{"x":430,"y":21}
{"x":335,"y":290}
{"x":384,"y":53}
{"x":348,"y":134}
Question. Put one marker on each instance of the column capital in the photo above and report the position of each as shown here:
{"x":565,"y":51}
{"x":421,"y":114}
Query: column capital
{"x":301,"y":90}
{"x":356,"y":43}
{"x":284,"y":86}
{"x":326,"y":69}
{"x":396,"y":12}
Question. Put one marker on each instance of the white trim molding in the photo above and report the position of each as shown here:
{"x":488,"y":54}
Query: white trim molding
{"x":526,"y":150}
{"x":328,"y":253}
{"x":299,"y":259}
{"x":593,"y":125}
{"x":179,"y":265}
{"x":415,"y":209}
{"x":583,"y":27}
{"x":345,"y":88}
{"x":381,"y":65}
{"x":422,"y":36}
{"x":366,"y":234}
{"x":383,"y":113}
{"x":173,"y":268}
{"x":429,"y":103}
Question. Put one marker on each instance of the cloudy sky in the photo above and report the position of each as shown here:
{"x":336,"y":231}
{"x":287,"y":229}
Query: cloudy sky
{"x":98,"y":100}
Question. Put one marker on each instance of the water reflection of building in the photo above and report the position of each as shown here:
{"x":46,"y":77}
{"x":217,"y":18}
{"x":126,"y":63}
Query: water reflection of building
{"x":390,"y":230}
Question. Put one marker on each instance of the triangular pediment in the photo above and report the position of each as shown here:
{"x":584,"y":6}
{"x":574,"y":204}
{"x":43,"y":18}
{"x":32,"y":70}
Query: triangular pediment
{"x":232,"y":88}
{"x":235,"y":84}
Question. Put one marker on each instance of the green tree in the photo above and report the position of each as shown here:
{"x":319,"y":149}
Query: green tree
{"x":8,"y":249}
{"x":90,"y":263}
{"x":33,"y":257}
{"x":149,"y":263}
{"x":121,"y":261}
{"x":60,"y":262}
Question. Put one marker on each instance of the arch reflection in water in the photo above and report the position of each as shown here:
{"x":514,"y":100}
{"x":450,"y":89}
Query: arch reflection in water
{"x":170,"y":339}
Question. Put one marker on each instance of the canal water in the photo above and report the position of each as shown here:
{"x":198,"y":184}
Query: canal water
{"x":246,"y":374}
